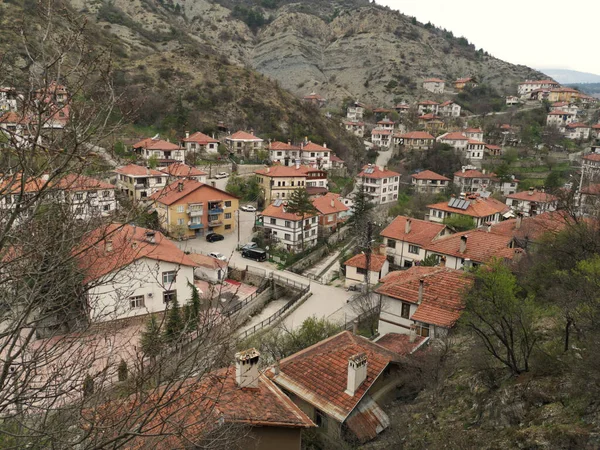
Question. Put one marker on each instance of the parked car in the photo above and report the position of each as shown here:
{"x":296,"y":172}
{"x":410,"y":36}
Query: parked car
{"x":249,"y":245}
{"x":248,"y":208}
{"x":257,"y":254}
{"x":214,"y":237}
{"x":222,"y":175}
{"x":218,"y":256}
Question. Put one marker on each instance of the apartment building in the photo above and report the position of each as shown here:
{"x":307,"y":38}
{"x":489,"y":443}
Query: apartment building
{"x":138,"y":182}
{"x":278,"y":182}
{"x":381,"y":185}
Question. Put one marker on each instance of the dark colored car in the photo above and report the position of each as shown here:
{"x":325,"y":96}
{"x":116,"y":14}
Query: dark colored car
{"x":214,"y":237}
{"x":257,"y":254}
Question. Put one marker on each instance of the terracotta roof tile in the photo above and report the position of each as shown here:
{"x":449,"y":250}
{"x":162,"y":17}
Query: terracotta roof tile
{"x":478,"y":207}
{"x":532,"y":228}
{"x":482,"y":246}
{"x":279,"y":212}
{"x":421,"y":232}
{"x":200,"y":138}
{"x":207,"y":261}
{"x":156,"y":144}
{"x":429,"y":175}
{"x":578,"y":125}
{"x":454,"y":136}
{"x":360,"y":261}
{"x":278,"y":145}
{"x":560,"y":113}
{"x":243,"y":136}
{"x":312,"y":147}
{"x":381,"y":131}
{"x":377,"y":172}
{"x":592,"y":157}
{"x":134,"y":170}
{"x":182,"y":170}
{"x":285,"y":171}
{"x":415,"y":135}
{"x":77,"y":182}
{"x":324,"y":204}
{"x":535,"y":196}
{"x":400,"y":343}
{"x":173,"y":192}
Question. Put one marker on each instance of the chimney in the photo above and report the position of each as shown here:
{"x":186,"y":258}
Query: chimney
{"x":421,"y":286}
{"x":324,"y":144}
{"x":268,"y":169}
{"x":297,"y":164}
{"x":519,"y":221}
{"x":407,"y":226}
{"x":531,"y":191}
{"x":483,"y":171}
{"x":246,"y":368}
{"x":187,"y":134}
{"x":355,"y":327}
{"x":443,"y":261}
{"x":332,"y":203}
{"x":413,"y":333}
{"x":180,"y":186}
{"x":357,"y":372}
{"x":151,"y":237}
{"x":463,"y":244}
{"x":109,"y":246}
{"x":276,"y":368}
{"x":213,"y":183}
{"x":488,"y":227}
{"x":463,"y":169}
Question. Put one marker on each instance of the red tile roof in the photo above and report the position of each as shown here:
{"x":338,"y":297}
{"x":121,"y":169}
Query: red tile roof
{"x":156,"y":144}
{"x":354,"y":123}
{"x":532,"y":228}
{"x":335,"y":158}
{"x":360,"y":261}
{"x":77,"y":182}
{"x":592,"y":157}
{"x":312,"y":147}
{"x":381,"y":131}
{"x":182,"y":170}
{"x":535,"y":196}
{"x":416,"y":135}
{"x":578,"y":125}
{"x":377,"y":172}
{"x":207,"y":261}
{"x":278,"y":145}
{"x":133,"y":170}
{"x":493,"y":147}
{"x":474,"y":142}
{"x":473,"y":130}
{"x":473,"y":173}
{"x":179,"y":189}
{"x":592,"y":189}
{"x":279,"y":212}
{"x":478,"y":207}
{"x":454,"y":136}
{"x":329,"y":204}
{"x":433,"y":80}
{"x":421,"y":232}
{"x":400,"y":343}
{"x":560,"y":113}
{"x":386,"y":120}
{"x":429,"y":175}
{"x":596,"y":126}
{"x":481,"y":246}
{"x":285,"y":171}
{"x":243,"y":136}
{"x":129,"y":244}
{"x":429,"y":116}
{"x":443,"y":291}
{"x":313,"y":96}
{"x":200,"y":138}
{"x":539,"y":82}
{"x":447,"y":103}
{"x":318,"y":374}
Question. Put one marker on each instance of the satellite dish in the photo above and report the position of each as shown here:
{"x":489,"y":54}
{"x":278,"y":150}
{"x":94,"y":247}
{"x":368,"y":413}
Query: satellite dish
{"x":267,"y":247}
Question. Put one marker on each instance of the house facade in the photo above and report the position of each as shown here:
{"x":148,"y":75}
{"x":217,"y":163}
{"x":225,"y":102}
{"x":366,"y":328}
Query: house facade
{"x":381,"y":185}
{"x":471,"y":180}
{"x":138,"y":182}
{"x":527,"y":87}
{"x":278,"y":182}
{"x":355,"y":127}
{"x":449,"y":109}
{"x":200,"y":142}
{"x":283,"y":153}
{"x":435,"y":85}
{"x":357,"y":271}
{"x":244,"y":144}
{"x":381,"y":138}
{"x":429,"y":182}
{"x":332,"y":212}
{"x":288,"y":229}
{"x":559,"y":118}
{"x":355,"y":111}
{"x":315,"y":155}
{"x":417,"y":140}
{"x":163,"y":151}
{"x":577,"y":131}
{"x":532,"y":202}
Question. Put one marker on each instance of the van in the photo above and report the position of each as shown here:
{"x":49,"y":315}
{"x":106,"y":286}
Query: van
{"x":257,"y":254}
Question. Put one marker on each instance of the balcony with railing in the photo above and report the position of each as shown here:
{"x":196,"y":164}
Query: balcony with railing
{"x":195,"y":225}
{"x":215,"y":208}
{"x":195,"y":210}
{"x":214,"y":221}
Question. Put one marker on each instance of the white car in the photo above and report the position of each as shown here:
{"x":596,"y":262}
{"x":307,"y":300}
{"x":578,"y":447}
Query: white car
{"x":221,"y":175}
{"x":248,"y":208}
{"x":250,"y":245}
{"x":218,"y":256}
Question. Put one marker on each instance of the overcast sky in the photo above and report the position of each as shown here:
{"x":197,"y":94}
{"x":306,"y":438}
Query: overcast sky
{"x":539,"y":34}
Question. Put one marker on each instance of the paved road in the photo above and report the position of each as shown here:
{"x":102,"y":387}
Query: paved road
{"x":384,"y":157}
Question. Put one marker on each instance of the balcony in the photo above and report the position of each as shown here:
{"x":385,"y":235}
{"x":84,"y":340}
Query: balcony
{"x":215,"y":223}
{"x":195,"y":226}
{"x":217,"y":210}
{"x":195,"y":212}
{"x":141,"y":185}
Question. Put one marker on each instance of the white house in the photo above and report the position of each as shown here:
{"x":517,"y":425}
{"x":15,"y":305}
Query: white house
{"x":355,"y":111}
{"x":200,"y":142}
{"x":287,"y":228}
{"x":138,"y":182}
{"x":429,"y":182}
{"x":283,"y":153}
{"x":532,"y":202}
{"x":356,"y":269}
{"x":424,"y":301}
{"x":165,"y":152}
{"x":455,"y":139}
{"x":565,"y":106}
{"x":381,"y":185}
{"x":449,"y":109}
{"x":527,"y":87}
{"x":244,"y":144}
{"x":406,"y":239}
{"x":435,"y":85}
{"x":511,"y":100}
{"x":469,"y":179}
{"x":315,"y":155}
{"x":132,"y":271}
{"x":427,"y":107}
{"x":578,"y":131}
{"x":381,"y":137}
{"x":475,"y":149}
{"x":559,"y":118}
{"x":208,"y":268}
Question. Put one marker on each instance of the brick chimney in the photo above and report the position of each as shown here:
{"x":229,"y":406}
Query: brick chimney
{"x":246,"y":368}
{"x":463,"y":244}
{"x":297,"y":164}
{"x":421,"y":288}
{"x":407,"y":226}
{"x":357,"y":372}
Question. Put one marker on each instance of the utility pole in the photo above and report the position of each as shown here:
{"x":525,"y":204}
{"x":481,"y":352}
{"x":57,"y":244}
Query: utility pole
{"x":368,"y":251}
{"x":238,"y":225}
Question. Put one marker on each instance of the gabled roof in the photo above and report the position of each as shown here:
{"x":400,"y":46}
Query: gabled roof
{"x":335,"y":158}
{"x":454,"y":136}
{"x":473,"y":173}
{"x":13,"y":117}
{"x":207,"y":261}
{"x":533,"y":196}
{"x":156,"y":144}
{"x":473,"y":130}
{"x":285,"y":171}
{"x":429,"y":116}
{"x":312,"y":147}
{"x":377,"y":172}
{"x":482,"y":246}
{"x":400,"y":343}
{"x":539,"y":82}
{"x":386,"y":120}
{"x":182,"y":170}
{"x":421,"y":232}
{"x":280,"y":212}
{"x":443,"y":290}
{"x":381,"y":131}
{"x":329,"y":204}
{"x":78,"y":182}
{"x":133,"y":170}
{"x":578,"y":125}
{"x":596,"y":126}
{"x":433,"y":80}
{"x":129,"y":244}
{"x":428,"y":103}
{"x":447,"y":103}
{"x":415,"y":135}
{"x":475,"y":142}
{"x":592,"y":157}
{"x":532,"y":228}
{"x":179,"y":189}
{"x":243,"y":136}
{"x":360,"y":261}
{"x":278,"y":145}
{"x":478,"y":207}
{"x":314,"y":96}
{"x":429,"y":175}
{"x":200,"y":138}
{"x":318,"y":374}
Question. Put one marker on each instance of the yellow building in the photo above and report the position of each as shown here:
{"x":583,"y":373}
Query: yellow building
{"x":188,"y":208}
{"x":563,"y":94}
{"x":281,"y":181}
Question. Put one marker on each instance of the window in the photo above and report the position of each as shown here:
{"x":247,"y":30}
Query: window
{"x":320,"y":419}
{"x":306,"y":234}
{"x":228,"y":227}
{"x":391,"y":243}
{"x":384,"y":189}
{"x":179,"y":221}
{"x":79,"y":196}
{"x":288,"y":224}
{"x":273,"y":221}
{"x":228,"y":215}
{"x":361,"y":271}
{"x":314,"y":220}
{"x":180,"y":208}
{"x":423,"y":329}
{"x":313,"y":232}
{"x":287,"y":236}
{"x":169,"y":277}
{"x":405,"y":313}
{"x":227,"y":203}
{"x":169,"y":296}
{"x":106,"y":208}
{"x":105,"y":193}
{"x":136,"y":302}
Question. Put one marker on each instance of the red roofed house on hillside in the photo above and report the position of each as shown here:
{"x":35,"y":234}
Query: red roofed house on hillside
{"x":422,"y":301}
{"x":420,"y":140}
{"x":456,"y":139}
{"x":527,"y":87}
{"x":590,"y":163}
{"x":559,"y":118}
{"x":138,"y":182}
{"x":528,"y":230}
{"x":132,"y":271}
{"x":356,"y":268}
{"x":200,"y":143}
{"x":209,"y":268}
{"x":474,"y":133}
{"x":481,"y":210}
{"x":428,"y":182}
{"x":315,"y":99}
{"x":244,"y":144}
{"x":381,"y":185}
{"x":181,"y":171}
{"x":449,"y":109}
{"x":278,"y":182}
{"x":354,"y":126}
{"x":470,"y":179}
{"x":342,"y":383}
{"x":406,"y":239}
{"x":427,"y":107}
{"x":381,"y":137}
{"x":532,"y":202}
{"x":283,"y":153}
{"x":165,"y":152}
{"x":462,"y":83}
{"x":435,"y":85}
{"x":331,"y":212}
{"x":288,"y":229}
{"x":578,"y":131}
{"x":315,"y":155}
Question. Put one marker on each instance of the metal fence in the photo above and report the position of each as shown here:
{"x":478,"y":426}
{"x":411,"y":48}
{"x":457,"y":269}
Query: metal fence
{"x":289,"y":282}
{"x":275,"y":316}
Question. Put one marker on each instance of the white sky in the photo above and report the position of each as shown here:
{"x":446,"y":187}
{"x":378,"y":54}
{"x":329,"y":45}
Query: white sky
{"x":540,"y":34}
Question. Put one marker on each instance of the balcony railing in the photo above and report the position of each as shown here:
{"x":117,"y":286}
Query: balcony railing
{"x":215,"y":223}
{"x":195,"y":226}
{"x":215,"y":211}
{"x":141,"y":186}
{"x":195,"y":212}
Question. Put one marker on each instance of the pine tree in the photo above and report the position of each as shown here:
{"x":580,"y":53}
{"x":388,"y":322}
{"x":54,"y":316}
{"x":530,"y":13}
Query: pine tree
{"x":174,"y":324}
{"x":361,"y":215}
{"x":192,"y":309}
{"x":301,"y":205}
{"x":151,"y":340}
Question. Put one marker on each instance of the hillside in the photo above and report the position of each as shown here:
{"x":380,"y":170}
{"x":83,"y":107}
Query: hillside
{"x":565,"y":76}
